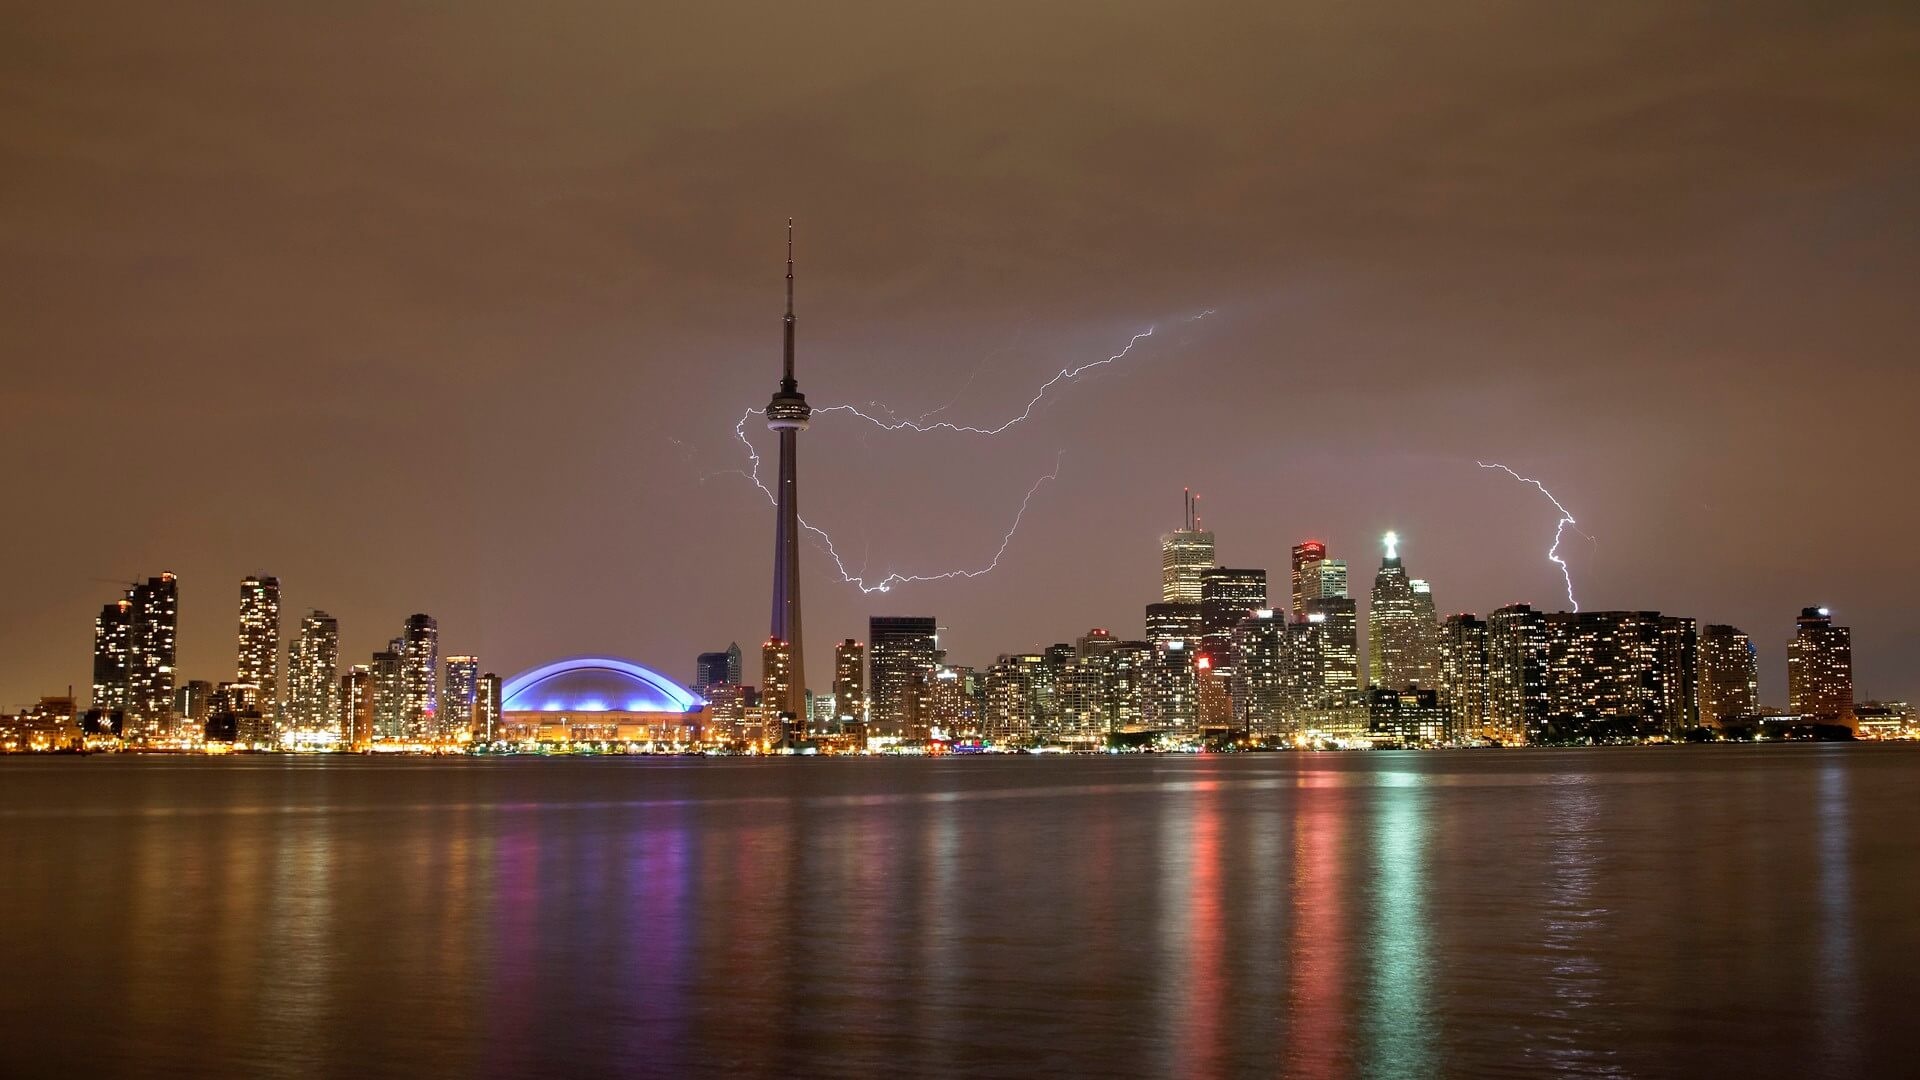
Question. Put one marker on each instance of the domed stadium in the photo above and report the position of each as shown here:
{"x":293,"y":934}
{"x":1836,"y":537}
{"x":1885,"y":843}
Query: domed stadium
{"x":599,"y":699}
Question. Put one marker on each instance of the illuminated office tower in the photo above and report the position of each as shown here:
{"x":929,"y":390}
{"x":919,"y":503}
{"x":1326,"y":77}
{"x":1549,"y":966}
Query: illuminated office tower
{"x":1305,"y":554}
{"x":900,"y":650}
{"x":1463,"y":676}
{"x":1820,"y":669}
{"x":112,"y":656}
{"x":1173,"y":622}
{"x":259,"y":642}
{"x":313,"y":675}
{"x":1729,"y":678}
{"x":486,"y":708}
{"x":419,"y":677}
{"x":1322,"y":579}
{"x":850,"y":680}
{"x":389,"y":692}
{"x":357,"y":712}
{"x":459,"y":696}
{"x":1259,"y":679}
{"x":1516,"y":674}
{"x":1619,"y":674}
{"x":1185,"y":552}
{"x":1400,"y":632}
{"x":778,"y":727}
{"x":1227,"y":595}
{"x":156,"y":618}
{"x":714,"y":668}
{"x":1339,"y":649}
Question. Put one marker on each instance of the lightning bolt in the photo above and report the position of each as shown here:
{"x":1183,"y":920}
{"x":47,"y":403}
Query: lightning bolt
{"x":886,"y":583}
{"x":1559,"y":531}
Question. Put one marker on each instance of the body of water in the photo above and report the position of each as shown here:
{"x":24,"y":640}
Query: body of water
{"x":1683,"y":912}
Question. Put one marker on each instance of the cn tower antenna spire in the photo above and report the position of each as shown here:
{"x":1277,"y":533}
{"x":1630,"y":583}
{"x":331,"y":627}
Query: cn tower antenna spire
{"x":786,"y":381}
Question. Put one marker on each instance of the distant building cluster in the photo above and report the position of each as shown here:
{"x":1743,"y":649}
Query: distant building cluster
{"x":1219,"y":662}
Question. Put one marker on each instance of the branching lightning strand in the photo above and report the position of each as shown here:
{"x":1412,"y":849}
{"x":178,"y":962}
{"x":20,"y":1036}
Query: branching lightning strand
{"x":1559,"y":531}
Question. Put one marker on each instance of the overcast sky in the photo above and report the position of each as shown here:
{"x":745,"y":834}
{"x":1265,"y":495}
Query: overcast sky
{"x":454,"y":307}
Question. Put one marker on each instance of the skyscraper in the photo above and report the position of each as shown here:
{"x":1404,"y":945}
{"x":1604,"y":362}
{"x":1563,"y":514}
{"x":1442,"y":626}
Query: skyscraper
{"x":776,"y":680}
{"x":459,"y":696}
{"x":1729,"y":678}
{"x":1401,"y":636}
{"x":1260,"y":673}
{"x":714,"y":668}
{"x":1227,"y":595}
{"x":850,"y":680}
{"x":313,"y":675}
{"x":112,"y":656}
{"x":1820,"y":669}
{"x":389,"y":693}
{"x":1305,"y":553}
{"x":1173,"y":622}
{"x":155,"y":623}
{"x":259,"y":652}
{"x":900,"y":649}
{"x":1619,"y":674}
{"x":1185,"y":552}
{"x":787,"y":415}
{"x":419,"y":677}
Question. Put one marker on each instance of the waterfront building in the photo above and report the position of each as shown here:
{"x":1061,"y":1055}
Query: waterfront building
{"x":600,"y":700}
{"x":389,"y":693}
{"x":1619,"y":674}
{"x":150,"y":674}
{"x":1729,"y":678}
{"x":191,"y":702}
{"x":459,"y":696}
{"x":53,"y":724}
{"x":112,"y":658}
{"x":1464,"y":687}
{"x":1012,"y":714}
{"x":488,"y":703}
{"x":1516,"y":674}
{"x":1820,"y":669}
{"x":258,"y":658}
{"x":1172,"y":691}
{"x":313,"y":676}
{"x":1184,"y":553}
{"x":419,"y":677}
{"x":779,"y":726}
{"x":357,"y":712}
{"x":1410,"y":716}
{"x":1259,"y":678}
{"x":901,"y":649}
{"x":1883,"y":719}
{"x":946,"y":708}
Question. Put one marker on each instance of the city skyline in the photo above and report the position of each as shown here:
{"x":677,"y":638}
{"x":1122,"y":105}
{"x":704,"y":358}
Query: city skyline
{"x":1702,"y":344}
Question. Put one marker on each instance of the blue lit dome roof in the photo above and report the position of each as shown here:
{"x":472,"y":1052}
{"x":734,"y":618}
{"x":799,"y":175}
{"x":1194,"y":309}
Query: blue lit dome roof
{"x":595,"y":684}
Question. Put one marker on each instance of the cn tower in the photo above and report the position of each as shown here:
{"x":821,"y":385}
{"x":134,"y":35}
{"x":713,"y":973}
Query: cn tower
{"x":787,"y":414}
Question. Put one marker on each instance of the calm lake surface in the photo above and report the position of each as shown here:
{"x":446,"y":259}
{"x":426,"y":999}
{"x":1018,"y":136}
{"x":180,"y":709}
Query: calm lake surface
{"x":1700,"y":911}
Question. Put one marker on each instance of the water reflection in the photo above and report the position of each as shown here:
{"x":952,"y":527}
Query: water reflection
{"x":1839,"y":1005}
{"x":1399,"y":1021}
{"x":1317,"y":1035}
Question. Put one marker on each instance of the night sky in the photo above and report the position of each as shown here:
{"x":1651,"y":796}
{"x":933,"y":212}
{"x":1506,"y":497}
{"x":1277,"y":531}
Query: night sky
{"x":452,"y":308}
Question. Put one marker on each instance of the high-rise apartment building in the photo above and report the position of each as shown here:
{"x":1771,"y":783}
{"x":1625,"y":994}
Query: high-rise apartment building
{"x":487,"y":708}
{"x":901,"y":649}
{"x":1409,"y":716}
{"x":1516,"y":674}
{"x":1619,"y":674}
{"x":154,"y":630}
{"x":420,"y":677}
{"x":1402,"y":639}
{"x":459,"y":697}
{"x":258,"y":662}
{"x":389,"y":692}
{"x":1820,"y":669}
{"x":1011,"y":708}
{"x":1259,"y":679}
{"x":313,"y":675}
{"x":1729,"y":678}
{"x":1184,"y":553}
{"x":357,"y":709}
{"x":112,"y":657}
{"x":778,"y":726}
{"x":1463,"y":685}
